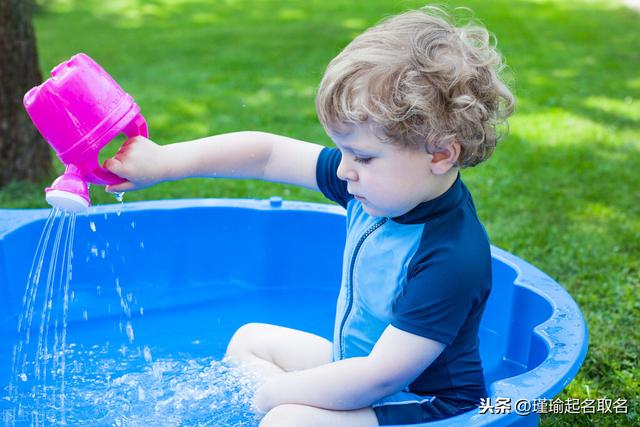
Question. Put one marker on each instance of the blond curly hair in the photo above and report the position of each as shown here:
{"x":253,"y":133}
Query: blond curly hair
{"x":421,"y":81}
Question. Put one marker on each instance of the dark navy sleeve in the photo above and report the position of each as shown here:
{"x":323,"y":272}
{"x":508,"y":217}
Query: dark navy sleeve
{"x":445,"y":285}
{"x":331,"y":186}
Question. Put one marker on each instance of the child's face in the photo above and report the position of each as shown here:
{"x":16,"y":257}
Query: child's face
{"x":388,"y":180}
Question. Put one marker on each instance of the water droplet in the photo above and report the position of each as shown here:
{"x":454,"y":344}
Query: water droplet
{"x":129,"y":329}
{"x":141,"y":244}
{"x":157,"y":371}
{"x":94,"y":250}
{"x":103,"y":253}
{"x":85,"y":315}
{"x":23,"y":377}
{"x":119,"y":196}
{"x":93,"y":226}
{"x":147,"y":354}
{"x":98,"y":290}
{"x":141,"y":311}
{"x":133,"y":224}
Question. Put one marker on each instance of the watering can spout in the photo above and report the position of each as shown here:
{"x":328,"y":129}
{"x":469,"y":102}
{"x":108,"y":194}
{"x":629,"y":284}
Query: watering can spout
{"x":69,"y":192}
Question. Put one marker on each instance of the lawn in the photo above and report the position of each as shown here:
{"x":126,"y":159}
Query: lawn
{"x":561,"y":191}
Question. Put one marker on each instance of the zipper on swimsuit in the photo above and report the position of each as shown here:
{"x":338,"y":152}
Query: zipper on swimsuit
{"x":366,"y":234}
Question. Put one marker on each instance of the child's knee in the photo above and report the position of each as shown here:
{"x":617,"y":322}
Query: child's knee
{"x":286,"y":416}
{"x":242,"y":340}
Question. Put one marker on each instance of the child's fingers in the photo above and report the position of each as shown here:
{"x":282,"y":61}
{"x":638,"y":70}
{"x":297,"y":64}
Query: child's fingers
{"x":118,"y":188}
{"x":113,"y":165}
{"x":129,"y":141}
{"x":136,"y":138}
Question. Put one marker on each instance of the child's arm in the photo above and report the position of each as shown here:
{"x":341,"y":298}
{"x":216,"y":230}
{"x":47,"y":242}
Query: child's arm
{"x":257,"y":155}
{"x":396,"y":360}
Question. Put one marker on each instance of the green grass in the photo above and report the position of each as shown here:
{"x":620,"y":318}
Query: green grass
{"x":562,"y":191}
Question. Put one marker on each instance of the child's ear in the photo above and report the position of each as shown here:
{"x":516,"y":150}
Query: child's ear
{"x":445,"y":158}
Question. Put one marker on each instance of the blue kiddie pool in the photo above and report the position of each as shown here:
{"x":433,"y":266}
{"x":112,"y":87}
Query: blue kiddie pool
{"x":157,"y":289}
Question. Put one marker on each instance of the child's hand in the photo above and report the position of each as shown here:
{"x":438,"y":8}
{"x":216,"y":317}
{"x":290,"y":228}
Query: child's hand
{"x":140,"y":161}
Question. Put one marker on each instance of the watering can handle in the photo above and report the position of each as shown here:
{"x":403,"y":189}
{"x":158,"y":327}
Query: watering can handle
{"x":136,"y":127}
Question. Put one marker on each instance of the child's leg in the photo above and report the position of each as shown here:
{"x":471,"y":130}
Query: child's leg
{"x":270,"y":349}
{"x":308,"y":416}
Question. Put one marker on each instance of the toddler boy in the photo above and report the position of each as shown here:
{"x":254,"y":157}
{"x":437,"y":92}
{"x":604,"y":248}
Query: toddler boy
{"x":408,"y":103}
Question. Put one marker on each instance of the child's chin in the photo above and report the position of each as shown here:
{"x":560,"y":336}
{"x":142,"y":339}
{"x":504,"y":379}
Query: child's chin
{"x":372,"y":211}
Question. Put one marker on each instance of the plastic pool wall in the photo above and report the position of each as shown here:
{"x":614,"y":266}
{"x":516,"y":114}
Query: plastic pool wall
{"x":198,"y":269}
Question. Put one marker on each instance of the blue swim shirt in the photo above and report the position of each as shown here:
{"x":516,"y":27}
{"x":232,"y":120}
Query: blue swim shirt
{"x":427,"y":272}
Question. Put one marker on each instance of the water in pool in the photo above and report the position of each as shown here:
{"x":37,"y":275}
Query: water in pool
{"x":117,"y":388}
{"x":124,"y":365}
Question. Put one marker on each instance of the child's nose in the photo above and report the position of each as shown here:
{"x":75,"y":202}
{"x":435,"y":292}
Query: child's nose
{"x":346,"y":172}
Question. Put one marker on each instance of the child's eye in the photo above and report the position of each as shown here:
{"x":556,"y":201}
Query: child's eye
{"x":363,"y":160}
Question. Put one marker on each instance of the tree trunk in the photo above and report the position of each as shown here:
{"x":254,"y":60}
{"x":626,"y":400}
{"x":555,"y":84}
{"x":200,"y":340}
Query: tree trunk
{"x":24,"y":155}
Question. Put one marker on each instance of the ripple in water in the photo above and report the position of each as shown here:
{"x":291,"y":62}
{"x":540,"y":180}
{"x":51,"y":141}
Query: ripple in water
{"x":102,"y":390}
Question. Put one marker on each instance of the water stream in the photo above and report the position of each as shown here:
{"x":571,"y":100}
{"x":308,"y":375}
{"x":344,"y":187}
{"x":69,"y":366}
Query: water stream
{"x":38,"y":361}
{"x":55,"y":381}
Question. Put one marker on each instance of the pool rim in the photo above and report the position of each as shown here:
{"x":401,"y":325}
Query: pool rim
{"x":563,"y":360}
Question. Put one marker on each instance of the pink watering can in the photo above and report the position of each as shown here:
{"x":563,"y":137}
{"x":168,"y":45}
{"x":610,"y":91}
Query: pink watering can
{"x":78,"y":111}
